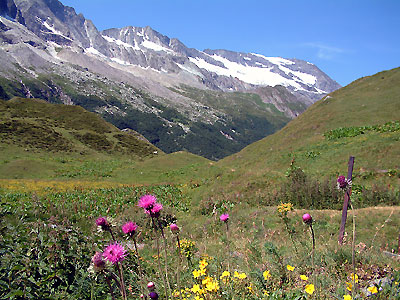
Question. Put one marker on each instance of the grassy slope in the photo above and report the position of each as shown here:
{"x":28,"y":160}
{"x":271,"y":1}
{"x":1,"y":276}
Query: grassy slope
{"x":367,"y":101}
{"x":54,"y":141}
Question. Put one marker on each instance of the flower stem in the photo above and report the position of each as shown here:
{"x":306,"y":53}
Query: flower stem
{"x":121,"y":278}
{"x":313,"y":255}
{"x":165,"y":257}
{"x":141,"y":274}
{"x":229,"y":249}
{"x":178,"y":269}
{"x":353,"y":256}
{"x":158,"y":258}
{"x":110,"y":287}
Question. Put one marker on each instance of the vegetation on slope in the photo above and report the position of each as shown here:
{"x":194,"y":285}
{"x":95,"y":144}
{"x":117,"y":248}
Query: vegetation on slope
{"x":369,"y":102}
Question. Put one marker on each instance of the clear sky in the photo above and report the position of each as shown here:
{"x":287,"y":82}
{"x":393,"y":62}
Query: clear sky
{"x":347,"y":39}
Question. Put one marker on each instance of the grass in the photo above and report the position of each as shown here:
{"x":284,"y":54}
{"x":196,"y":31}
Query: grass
{"x":258,"y":242}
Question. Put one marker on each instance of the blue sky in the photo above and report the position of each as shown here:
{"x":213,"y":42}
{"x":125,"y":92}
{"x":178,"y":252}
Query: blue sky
{"x":347,"y":39}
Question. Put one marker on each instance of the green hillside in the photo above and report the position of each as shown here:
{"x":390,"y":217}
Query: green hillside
{"x":348,"y":122}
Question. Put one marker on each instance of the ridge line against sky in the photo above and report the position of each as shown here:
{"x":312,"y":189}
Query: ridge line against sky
{"x":345,"y":39}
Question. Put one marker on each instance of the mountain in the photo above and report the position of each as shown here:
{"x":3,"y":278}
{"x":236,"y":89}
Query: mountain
{"x":177,"y":97}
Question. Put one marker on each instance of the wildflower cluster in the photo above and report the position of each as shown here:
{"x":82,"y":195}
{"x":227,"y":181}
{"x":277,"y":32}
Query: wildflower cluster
{"x":188,"y":247}
{"x":284,"y":208}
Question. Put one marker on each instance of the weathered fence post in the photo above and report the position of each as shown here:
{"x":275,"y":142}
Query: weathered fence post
{"x":346,"y":200}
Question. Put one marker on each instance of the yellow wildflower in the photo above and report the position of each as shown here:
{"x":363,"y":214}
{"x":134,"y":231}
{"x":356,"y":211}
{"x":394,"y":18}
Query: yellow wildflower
{"x":372,"y":289}
{"x":309,"y":289}
{"x":206,"y":280}
{"x":203,"y":263}
{"x":203,"y":271}
{"x":239,"y":275}
{"x":303,"y":277}
{"x":290,"y":268}
{"x":285,"y":207}
{"x":198,"y":298}
{"x":354,"y":277}
{"x":266,"y":275}
{"x":211,"y":285}
{"x":196,"y":273}
{"x":226,"y":274}
{"x":266,"y":293}
{"x":195,"y":288}
{"x":347,"y":297}
{"x":349,"y":286}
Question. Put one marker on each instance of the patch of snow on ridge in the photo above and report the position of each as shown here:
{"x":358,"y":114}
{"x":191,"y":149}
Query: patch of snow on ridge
{"x":91,"y":50}
{"x":53,"y":30}
{"x":248,"y":74}
{"x":153,"y":46}
{"x":121,"y":62}
{"x":276,"y":60}
{"x":303,"y":77}
{"x":120,"y":43}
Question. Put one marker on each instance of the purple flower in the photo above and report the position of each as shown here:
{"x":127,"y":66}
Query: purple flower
{"x":114,"y":253}
{"x":129,"y":228}
{"x":155,"y":210}
{"x":98,"y":263}
{"x":153,"y":295}
{"x":307,"y":218}
{"x":224,"y":217}
{"x":343,"y":183}
{"x":102,"y":222}
{"x":147,"y":202}
{"x":174,"y":228}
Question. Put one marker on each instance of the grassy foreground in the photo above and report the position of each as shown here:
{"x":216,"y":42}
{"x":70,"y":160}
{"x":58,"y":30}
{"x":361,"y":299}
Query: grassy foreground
{"x":49,"y":235}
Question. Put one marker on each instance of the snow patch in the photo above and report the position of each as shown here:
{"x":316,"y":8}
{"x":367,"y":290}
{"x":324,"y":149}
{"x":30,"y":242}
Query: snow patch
{"x":120,"y":43}
{"x":92,"y":50}
{"x":247,"y":58}
{"x":248,"y":74}
{"x":275,"y":60}
{"x":53,"y":30}
{"x":153,"y":46}
{"x":226,"y":135}
{"x":121,"y":62}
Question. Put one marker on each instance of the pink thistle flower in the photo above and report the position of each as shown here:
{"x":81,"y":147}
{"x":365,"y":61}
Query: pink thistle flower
{"x":174,"y":228}
{"x":307,"y":218}
{"x":155,"y":210}
{"x":147,"y":202}
{"x":129,"y":228}
{"x":98,"y":263}
{"x":224,"y":217}
{"x":102,"y":222}
{"x":151,"y":286}
{"x":343,"y":183}
{"x":114,"y":253}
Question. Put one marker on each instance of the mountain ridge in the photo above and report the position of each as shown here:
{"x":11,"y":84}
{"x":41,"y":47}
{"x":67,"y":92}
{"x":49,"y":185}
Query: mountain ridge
{"x":47,"y":55}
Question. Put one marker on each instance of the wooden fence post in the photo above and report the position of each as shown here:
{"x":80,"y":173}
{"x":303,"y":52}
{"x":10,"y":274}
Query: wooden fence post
{"x":346,"y":200}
